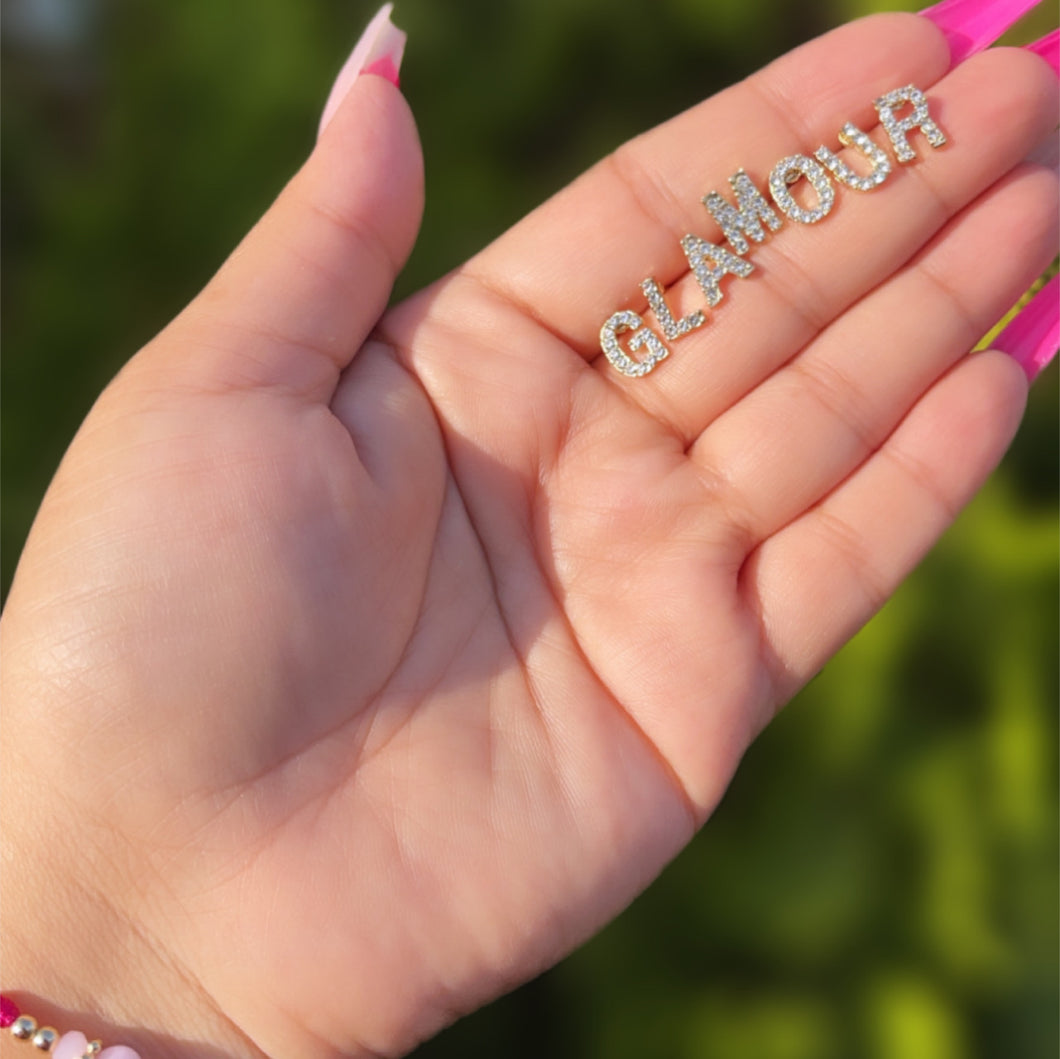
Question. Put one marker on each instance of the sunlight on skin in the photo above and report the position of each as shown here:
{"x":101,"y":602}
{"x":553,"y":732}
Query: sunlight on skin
{"x":401,"y":673}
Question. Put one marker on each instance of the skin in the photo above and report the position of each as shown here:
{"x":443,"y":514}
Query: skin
{"x":381,"y":661}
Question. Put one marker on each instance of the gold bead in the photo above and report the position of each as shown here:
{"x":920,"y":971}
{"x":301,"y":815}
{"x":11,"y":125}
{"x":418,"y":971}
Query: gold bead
{"x":24,"y":1027}
{"x":44,"y":1038}
{"x":93,"y":1049}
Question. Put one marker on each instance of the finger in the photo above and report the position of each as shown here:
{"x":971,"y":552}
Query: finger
{"x":550,"y":282}
{"x":294,"y":303}
{"x":994,"y":108}
{"x":819,"y":579}
{"x":812,"y":423}
{"x":581,"y":256}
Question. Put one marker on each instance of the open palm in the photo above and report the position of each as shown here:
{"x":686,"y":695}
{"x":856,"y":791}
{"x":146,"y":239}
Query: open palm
{"x":403,"y":662}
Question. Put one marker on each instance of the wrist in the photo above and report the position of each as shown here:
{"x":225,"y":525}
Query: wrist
{"x":73,"y":954}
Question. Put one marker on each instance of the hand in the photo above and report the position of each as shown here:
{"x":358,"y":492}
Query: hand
{"x":383,"y":661}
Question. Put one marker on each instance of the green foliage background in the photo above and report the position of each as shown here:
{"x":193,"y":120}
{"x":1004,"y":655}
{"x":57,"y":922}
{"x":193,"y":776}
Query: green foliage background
{"x":881,"y":880}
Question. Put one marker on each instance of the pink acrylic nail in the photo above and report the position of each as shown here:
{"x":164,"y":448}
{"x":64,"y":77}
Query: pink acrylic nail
{"x":1049,"y":49}
{"x":970,"y":26}
{"x":378,"y":51}
{"x":384,"y":67}
{"x":1033,"y":336}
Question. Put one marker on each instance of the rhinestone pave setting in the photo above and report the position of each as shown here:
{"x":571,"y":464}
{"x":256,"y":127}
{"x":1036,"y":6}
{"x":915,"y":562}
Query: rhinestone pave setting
{"x":901,"y":112}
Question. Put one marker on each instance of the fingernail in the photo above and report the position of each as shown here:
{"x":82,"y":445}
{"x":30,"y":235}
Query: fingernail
{"x":378,"y":52}
{"x":971,"y":26}
{"x":1049,"y":49}
{"x":1033,"y":336}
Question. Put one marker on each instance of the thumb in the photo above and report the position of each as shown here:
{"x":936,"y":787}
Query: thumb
{"x":296,"y":300}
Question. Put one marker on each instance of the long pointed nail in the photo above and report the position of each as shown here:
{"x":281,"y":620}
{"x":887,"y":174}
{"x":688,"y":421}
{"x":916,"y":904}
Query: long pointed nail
{"x":971,"y":26}
{"x":1033,"y":336}
{"x":1049,"y":49}
{"x":378,"y":51}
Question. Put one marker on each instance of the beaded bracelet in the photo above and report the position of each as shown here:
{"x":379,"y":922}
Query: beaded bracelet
{"x":72,"y":1045}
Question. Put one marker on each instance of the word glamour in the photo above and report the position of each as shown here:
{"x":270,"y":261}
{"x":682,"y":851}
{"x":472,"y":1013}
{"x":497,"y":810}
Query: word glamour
{"x":744,"y":221}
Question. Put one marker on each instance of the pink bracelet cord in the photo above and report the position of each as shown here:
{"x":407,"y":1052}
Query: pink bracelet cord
{"x":71,"y":1045}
